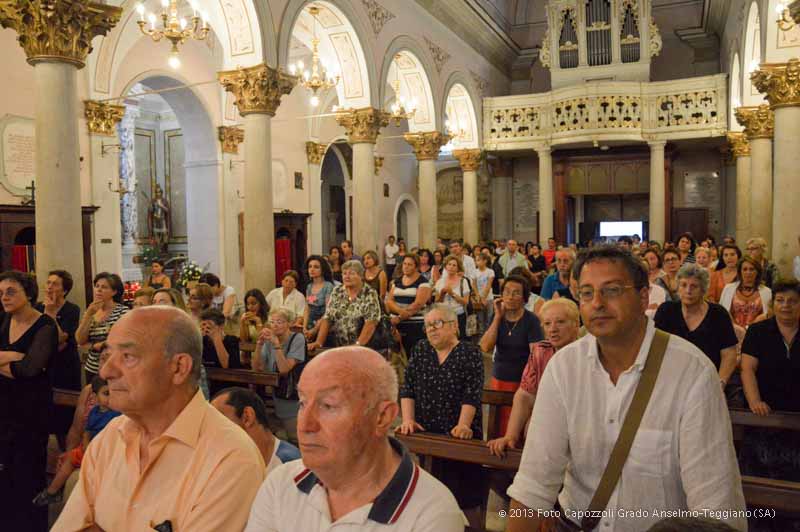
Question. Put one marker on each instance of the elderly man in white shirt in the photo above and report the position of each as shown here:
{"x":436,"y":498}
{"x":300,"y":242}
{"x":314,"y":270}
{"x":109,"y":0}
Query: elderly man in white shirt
{"x":682,"y":457}
{"x":352,"y":476}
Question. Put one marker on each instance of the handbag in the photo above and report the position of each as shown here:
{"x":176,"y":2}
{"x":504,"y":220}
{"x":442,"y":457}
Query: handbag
{"x":287,"y":384}
{"x":619,"y":454}
{"x":381,"y":339}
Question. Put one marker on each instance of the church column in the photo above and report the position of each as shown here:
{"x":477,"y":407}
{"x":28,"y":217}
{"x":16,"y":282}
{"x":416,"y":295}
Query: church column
{"x":102,"y":120}
{"x":426,"y":147}
{"x":658,"y":230}
{"x":781,"y":84}
{"x":315,"y":153}
{"x":57,"y":37}
{"x":740,"y":148}
{"x":470,"y":161}
{"x":759,"y":125}
{"x":546,"y":201}
{"x":230,"y":137}
{"x":362,"y":127}
{"x":258,"y":91}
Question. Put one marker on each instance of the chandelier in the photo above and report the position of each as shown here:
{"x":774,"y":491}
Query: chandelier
{"x":398,"y":108}
{"x":175,"y":29}
{"x":785,"y":20}
{"x":456,"y":135}
{"x":320,"y":77}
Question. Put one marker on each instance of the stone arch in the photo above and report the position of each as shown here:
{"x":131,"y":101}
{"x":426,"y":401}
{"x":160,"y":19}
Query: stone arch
{"x":347,"y":38}
{"x":467,"y":116}
{"x":753,"y":54}
{"x":735,"y":91}
{"x":416,"y":81}
{"x":244,"y":29}
{"x":406,"y":212}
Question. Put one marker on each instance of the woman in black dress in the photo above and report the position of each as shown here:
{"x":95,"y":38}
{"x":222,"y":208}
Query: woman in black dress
{"x":441,"y":393}
{"x":28,"y":342}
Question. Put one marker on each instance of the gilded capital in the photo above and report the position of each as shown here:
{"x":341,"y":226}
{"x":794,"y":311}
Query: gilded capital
{"x":427,"y":145}
{"x":378,"y":164}
{"x":780,"y":83}
{"x":315,"y":152}
{"x":363,"y":125}
{"x":739,"y":145}
{"x":230,"y":137}
{"x":257,"y":89}
{"x":102,"y":118}
{"x":469,"y":160}
{"x":758,"y":122}
{"x":58,"y":30}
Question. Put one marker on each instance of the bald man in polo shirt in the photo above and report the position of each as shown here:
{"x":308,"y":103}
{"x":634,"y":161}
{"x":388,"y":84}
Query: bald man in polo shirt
{"x":352,"y":474}
{"x":172,"y":461}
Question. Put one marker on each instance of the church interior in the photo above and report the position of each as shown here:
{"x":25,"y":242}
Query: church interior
{"x":241,"y":137}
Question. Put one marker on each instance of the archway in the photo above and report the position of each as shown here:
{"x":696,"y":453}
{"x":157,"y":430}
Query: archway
{"x":407,"y":79}
{"x":406,"y":220}
{"x":461,"y":117}
{"x":753,"y":55}
{"x":736,"y":92}
{"x":335,"y":176}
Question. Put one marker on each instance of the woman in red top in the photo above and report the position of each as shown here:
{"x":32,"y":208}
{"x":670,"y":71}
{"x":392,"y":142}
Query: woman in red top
{"x":561,"y":325}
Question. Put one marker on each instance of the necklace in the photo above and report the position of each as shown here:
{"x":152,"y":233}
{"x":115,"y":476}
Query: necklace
{"x":512,"y":327}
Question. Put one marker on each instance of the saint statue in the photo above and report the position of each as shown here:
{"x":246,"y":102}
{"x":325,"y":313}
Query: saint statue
{"x":159,"y":222}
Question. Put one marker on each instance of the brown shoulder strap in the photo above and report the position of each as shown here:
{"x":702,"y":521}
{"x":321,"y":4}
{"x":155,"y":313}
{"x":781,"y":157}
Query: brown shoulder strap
{"x":633,"y":418}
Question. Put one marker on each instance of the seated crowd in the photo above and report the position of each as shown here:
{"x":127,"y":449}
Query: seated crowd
{"x":363,"y":346}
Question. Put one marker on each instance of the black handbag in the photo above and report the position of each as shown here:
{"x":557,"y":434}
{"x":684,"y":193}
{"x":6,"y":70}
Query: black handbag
{"x":287,"y":384}
{"x":382,"y":338}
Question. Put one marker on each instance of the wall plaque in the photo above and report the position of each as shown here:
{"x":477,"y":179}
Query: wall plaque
{"x":17,"y":153}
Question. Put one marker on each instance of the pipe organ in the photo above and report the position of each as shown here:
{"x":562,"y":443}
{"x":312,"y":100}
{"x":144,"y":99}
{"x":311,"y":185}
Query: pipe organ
{"x":594,"y":40}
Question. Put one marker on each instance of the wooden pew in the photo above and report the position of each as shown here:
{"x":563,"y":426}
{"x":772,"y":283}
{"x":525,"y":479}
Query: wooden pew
{"x":776,"y":420}
{"x":427,"y":445}
{"x":62,"y":397}
{"x":242,"y":376}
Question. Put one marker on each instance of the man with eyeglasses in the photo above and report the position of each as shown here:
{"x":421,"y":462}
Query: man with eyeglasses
{"x":558,"y":281}
{"x":682,"y":456}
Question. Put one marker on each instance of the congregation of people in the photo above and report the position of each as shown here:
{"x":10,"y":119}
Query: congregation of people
{"x":404,"y":341}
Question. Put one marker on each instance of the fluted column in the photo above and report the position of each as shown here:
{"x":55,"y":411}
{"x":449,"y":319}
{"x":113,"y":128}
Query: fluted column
{"x":362,"y":127}
{"x":759,"y":126}
{"x":57,"y":37}
{"x":426,"y":147}
{"x":470,"y":161}
{"x":258,"y":91}
{"x":314,"y":154}
{"x":102,"y":120}
{"x":658,"y":205}
{"x":546,"y":201}
{"x":781,"y":85}
{"x":740,"y":149}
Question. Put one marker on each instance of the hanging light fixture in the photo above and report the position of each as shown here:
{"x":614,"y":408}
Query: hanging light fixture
{"x":455,"y":134}
{"x":320,"y":77}
{"x":174,"y":28}
{"x":785,"y":20}
{"x":400,"y":108}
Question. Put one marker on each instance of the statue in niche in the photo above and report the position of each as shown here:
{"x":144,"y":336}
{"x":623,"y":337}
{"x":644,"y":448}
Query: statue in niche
{"x":159,"y":220}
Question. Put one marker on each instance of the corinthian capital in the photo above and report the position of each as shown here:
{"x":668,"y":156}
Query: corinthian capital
{"x":469,"y":160}
{"x":363,"y":125}
{"x":58,"y":30}
{"x":780,"y":82}
{"x":758,"y":122}
{"x":102,"y":118}
{"x":427,"y":145}
{"x":257,"y":89}
{"x":739,"y":145}
{"x":315,"y":151}
{"x":230,"y":137}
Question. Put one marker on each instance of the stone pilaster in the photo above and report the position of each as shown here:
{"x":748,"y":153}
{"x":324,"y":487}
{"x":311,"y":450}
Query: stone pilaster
{"x":315,"y":152}
{"x":102,"y":118}
{"x":740,"y":150}
{"x":230,"y":137}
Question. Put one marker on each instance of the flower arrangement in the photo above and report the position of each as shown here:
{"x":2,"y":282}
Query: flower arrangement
{"x":149,"y":254}
{"x":190,"y":272}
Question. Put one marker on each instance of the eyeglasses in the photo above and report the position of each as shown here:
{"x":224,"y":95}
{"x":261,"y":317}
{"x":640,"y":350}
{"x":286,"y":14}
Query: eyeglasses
{"x":513,"y":293}
{"x":436,"y":324}
{"x":671,"y":259}
{"x":607,"y":292}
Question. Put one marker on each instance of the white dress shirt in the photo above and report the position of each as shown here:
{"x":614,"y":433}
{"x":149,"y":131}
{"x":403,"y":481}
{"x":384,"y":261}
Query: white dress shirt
{"x":294,"y":302}
{"x":470,"y":270}
{"x":681,"y":459}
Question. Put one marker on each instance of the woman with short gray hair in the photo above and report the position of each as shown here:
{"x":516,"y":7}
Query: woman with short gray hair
{"x":705,"y":324}
{"x":353,"y":312}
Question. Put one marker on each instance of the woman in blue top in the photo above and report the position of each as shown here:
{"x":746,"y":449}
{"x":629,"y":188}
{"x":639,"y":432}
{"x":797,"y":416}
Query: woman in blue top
{"x":318,"y":292}
{"x":280,"y":350}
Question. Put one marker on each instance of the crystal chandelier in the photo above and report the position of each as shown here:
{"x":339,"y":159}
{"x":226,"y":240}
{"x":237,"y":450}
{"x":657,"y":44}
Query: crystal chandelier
{"x":176,"y":29}
{"x":785,"y":20}
{"x":456,"y":135}
{"x":398,"y":109}
{"x":320,"y":77}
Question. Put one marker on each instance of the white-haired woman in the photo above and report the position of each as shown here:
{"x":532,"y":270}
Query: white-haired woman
{"x":353,"y":310}
{"x":704,"y":323}
{"x":279,"y":350}
{"x":561,"y":324}
{"x":441,"y":393}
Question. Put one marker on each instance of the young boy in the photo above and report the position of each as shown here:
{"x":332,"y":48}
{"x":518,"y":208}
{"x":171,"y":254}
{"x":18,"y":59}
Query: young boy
{"x":99,"y":416}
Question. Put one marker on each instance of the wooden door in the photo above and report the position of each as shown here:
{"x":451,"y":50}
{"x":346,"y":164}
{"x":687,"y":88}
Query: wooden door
{"x":690,"y":220}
